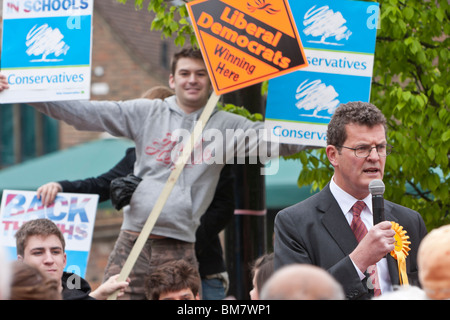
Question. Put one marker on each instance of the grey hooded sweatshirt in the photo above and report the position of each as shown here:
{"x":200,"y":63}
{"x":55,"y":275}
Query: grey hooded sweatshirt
{"x":158,"y":128}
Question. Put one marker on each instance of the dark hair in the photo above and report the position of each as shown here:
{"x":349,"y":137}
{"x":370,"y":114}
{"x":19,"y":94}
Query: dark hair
{"x":37,"y":227}
{"x":185,"y":53}
{"x":172,"y":276}
{"x":28,"y":283}
{"x":263,"y":267}
{"x":158,"y":92}
{"x":362,"y":113}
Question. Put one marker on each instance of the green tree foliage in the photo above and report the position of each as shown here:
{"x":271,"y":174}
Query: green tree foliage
{"x":172,"y":19}
{"x":410,"y":86}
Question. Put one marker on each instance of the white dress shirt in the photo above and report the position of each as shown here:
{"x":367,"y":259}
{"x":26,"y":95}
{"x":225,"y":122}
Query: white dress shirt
{"x":346,"y":202}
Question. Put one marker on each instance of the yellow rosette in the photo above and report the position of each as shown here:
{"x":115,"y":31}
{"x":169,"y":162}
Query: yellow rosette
{"x":401,"y":251}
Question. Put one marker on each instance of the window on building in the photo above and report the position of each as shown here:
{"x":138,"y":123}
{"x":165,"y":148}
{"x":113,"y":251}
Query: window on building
{"x":165,"y":55}
{"x":25,"y":134}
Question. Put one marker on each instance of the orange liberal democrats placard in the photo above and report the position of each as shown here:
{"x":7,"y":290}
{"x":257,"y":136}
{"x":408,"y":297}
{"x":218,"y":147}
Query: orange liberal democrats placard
{"x":246,"y":42}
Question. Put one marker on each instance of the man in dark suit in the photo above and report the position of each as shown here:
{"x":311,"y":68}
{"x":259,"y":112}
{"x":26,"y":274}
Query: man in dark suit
{"x":333,"y":229}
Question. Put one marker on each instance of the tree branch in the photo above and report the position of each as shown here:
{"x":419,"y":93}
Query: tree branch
{"x":420,"y":193}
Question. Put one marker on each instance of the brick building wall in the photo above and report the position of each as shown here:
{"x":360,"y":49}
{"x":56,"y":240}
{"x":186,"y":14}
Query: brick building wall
{"x":126,"y":58}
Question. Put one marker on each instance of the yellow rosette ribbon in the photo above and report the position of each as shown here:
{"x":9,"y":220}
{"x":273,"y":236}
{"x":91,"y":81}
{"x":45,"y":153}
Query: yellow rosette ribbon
{"x":400,"y":251}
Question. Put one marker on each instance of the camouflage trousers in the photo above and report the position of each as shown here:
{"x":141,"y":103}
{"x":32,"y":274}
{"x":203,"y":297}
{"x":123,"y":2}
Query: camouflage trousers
{"x":154,"y":253}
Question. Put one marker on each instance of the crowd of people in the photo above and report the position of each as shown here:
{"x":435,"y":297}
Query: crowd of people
{"x":38,"y":274}
{"x":325,"y":247}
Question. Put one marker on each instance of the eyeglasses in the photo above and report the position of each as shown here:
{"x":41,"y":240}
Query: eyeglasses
{"x":383,"y":150}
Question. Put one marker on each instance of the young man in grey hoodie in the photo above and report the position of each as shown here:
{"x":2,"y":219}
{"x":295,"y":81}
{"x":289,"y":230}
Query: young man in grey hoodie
{"x":157,"y":126}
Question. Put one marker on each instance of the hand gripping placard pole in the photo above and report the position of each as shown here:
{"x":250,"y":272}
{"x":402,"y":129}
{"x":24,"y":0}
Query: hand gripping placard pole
{"x":179,"y":165}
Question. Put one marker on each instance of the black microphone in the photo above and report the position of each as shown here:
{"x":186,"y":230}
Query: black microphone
{"x":376,"y":188}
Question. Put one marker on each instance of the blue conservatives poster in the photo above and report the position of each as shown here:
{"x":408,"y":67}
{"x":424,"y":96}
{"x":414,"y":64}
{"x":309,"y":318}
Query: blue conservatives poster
{"x":339,"y":41}
{"x":46,"y":50}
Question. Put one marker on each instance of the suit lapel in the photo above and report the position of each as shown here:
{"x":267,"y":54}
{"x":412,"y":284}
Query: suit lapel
{"x":392,"y":263}
{"x":335,"y":223}
{"x":393,"y":269}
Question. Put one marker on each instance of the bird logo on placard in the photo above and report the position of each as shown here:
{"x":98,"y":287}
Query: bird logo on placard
{"x":261,"y":5}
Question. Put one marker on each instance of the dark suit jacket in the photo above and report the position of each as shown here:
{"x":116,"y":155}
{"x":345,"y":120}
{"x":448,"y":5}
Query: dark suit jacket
{"x":316,"y":232}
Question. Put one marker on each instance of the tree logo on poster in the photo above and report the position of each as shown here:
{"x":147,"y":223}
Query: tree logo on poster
{"x":316,"y":96}
{"x":326,"y":23}
{"x":44,"y":41}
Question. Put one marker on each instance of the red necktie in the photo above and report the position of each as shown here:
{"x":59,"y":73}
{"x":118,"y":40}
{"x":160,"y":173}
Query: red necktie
{"x":360,"y":230}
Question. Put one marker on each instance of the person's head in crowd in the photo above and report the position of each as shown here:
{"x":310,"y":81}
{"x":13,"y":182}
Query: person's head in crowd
{"x":261,"y":271}
{"x":301,"y":282}
{"x":158,"y":92}
{"x":28,"y":283}
{"x":174,"y":280}
{"x":433,"y":260}
{"x":5,"y":275}
{"x":355,"y":161}
{"x":41,"y":244}
{"x":190,"y":80}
